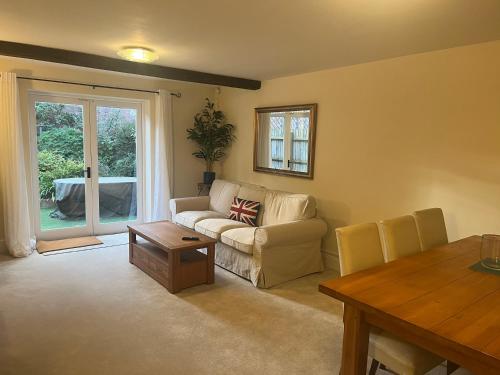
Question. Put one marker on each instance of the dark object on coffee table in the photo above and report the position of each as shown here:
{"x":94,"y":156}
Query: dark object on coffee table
{"x":186,"y":238}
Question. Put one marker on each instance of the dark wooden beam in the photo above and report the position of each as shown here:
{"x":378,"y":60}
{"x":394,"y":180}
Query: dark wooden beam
{"x":61,"y":56}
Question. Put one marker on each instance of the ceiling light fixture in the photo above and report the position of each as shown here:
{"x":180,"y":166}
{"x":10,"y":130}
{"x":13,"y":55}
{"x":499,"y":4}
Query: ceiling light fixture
{"x":138,"y":54}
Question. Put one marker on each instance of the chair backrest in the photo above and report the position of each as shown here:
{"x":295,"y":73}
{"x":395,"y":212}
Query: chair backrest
{"x":400,"y":237}
{"x":431,"y":228}
{"x":359,"y":247}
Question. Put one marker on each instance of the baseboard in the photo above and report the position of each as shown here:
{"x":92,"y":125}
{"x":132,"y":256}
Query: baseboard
{"x":331,"y":261}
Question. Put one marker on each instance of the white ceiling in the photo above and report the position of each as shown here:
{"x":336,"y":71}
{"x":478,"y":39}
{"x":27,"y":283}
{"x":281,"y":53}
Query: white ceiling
{"x":258,"y":39}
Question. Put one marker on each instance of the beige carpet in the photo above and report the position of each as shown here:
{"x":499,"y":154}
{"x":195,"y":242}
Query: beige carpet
{"x":92,"y":312}
{"x":67,"y":243}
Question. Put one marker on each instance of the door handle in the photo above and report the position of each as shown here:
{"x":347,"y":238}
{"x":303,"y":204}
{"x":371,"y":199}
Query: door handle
{"x":88,"y":172}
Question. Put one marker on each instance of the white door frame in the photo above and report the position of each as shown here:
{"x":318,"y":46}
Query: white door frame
{"x":89,"y":103}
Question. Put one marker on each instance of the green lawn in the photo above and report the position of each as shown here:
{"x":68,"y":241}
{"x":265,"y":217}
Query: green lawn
{"x":48,"y":223}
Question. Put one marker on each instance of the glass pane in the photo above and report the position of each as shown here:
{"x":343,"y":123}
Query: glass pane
{"x":116,"y":139}
{"x":300,"y":141}
{"x":59,"y":130}
{"x":277,"y":123}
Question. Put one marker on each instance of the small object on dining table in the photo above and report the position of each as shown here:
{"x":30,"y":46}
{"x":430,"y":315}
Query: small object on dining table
{"x":479,"y":267}
{"x":490,"y":251}
{"x":186,"y":238}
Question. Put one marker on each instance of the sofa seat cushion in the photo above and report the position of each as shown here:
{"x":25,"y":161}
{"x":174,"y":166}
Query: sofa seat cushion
{"x":214,"y":227}
{"x":190,"y":218}
{"x":241,"y":239}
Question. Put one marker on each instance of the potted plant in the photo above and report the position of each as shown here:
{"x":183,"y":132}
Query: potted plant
{"x":213,"y":135}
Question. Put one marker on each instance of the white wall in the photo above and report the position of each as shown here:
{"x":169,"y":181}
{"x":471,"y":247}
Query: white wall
{"x":393,"y":136}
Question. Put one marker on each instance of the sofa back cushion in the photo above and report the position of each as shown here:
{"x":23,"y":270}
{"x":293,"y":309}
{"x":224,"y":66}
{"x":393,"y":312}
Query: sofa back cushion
{"x":221,"y":196}
{"x":282,"y":207}
{"x":254,"y":193}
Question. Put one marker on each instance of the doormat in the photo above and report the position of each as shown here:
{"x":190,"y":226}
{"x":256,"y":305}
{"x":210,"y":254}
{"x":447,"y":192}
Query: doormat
{"x":68,"y":243}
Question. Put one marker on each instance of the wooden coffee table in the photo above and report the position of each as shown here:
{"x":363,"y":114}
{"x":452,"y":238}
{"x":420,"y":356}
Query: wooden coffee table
{"x":167,"y":258}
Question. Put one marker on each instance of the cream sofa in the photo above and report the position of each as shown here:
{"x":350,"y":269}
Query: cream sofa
{"x":285,"y":244}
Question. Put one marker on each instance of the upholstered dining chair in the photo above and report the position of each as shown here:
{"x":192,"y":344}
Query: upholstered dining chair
{"x":360,"y":248}
{"x":400,"y":237}
{"x":431,"y":228}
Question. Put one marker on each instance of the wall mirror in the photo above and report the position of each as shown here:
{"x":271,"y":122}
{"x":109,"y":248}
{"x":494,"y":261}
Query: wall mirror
{"x":284,"y":140}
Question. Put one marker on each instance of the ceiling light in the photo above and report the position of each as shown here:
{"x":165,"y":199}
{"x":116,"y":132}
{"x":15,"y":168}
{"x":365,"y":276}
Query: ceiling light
{"x":138,"y":54}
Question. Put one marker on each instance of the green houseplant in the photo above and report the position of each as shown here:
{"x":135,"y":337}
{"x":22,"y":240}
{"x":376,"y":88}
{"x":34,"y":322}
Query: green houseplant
{"x":213,"y":135}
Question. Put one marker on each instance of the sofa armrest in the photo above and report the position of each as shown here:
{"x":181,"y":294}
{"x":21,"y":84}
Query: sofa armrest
{"x":179,"y":205}
{"x":290,"y":233}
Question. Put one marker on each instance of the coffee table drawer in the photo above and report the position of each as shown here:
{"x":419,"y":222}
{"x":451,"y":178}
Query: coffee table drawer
{"x":152,"y":261}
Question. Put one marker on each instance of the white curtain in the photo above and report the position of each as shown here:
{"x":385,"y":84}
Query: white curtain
{"x":19,"y":237}
{"x":264,"y":156}
{"x":160,"y":160}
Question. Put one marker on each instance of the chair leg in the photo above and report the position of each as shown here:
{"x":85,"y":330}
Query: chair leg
{"x":374,"y":367}
{"x":451,"y":367}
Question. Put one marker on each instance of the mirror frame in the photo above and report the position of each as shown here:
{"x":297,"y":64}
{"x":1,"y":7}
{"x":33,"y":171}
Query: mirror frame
{"x":313,"y":109}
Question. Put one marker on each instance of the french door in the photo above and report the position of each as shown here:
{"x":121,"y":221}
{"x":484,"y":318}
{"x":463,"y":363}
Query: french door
{"x":86,"y":165}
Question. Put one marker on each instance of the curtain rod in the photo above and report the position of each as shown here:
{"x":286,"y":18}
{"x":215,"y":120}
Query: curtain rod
{"x":176,"y":94}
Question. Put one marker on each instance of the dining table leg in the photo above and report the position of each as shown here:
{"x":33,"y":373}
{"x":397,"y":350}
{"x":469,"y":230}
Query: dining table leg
{"x":355,"y":342}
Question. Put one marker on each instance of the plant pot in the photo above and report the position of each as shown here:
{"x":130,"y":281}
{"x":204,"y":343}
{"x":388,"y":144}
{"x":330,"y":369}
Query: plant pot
{"x":208,"y":177}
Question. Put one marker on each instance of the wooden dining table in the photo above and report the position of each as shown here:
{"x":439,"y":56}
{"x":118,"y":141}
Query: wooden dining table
{"x":433,"y":300}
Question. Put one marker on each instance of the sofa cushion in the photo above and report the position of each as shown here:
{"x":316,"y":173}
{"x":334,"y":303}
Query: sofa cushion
{"x":254,"y":193}
{"x":241,"y":239}
{"x":214,"y":227}
{"x":221,"y":196}
{"x":244,"y":210}
{"x":282,"y":207}
{"x":190,"y":218}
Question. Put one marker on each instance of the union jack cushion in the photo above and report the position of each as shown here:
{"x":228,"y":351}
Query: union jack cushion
{"x":244,"y":211}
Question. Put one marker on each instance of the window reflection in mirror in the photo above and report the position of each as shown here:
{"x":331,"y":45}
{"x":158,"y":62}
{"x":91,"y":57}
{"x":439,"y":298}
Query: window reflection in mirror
{"x":284,"y":140}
